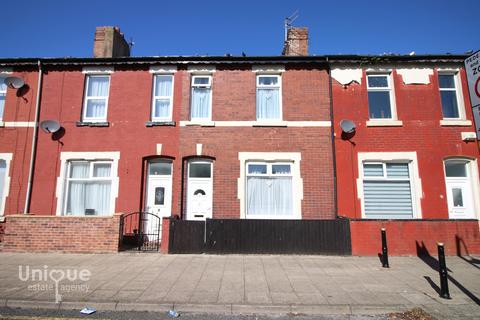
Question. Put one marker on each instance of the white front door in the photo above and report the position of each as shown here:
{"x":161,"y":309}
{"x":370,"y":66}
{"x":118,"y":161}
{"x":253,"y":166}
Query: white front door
{"x":459,"y":190}
{"x":158,"y":195}
{"x":199,"y":190}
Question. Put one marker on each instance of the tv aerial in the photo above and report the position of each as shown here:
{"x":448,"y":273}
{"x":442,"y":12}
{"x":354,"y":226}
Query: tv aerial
{"x":14,"y":82}
{"x":50,"y":126}
{"x":289,"y":22}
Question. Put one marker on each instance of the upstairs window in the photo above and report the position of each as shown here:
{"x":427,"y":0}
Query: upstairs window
{"x":96,"y":98}
{"x":201,"y":104}
{"x":3,"y":94}
{"x":269,"y":97}
{"x":448,"y":93}
{"x":162,"y":98}
{"x":88,"y":188}
{"x":380,"y":97}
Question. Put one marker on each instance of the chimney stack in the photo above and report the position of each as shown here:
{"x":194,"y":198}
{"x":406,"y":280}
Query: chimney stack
{"x":296,"y":43}
{"x":109,"y":43}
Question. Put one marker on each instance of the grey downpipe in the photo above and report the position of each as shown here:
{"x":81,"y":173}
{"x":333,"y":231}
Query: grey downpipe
{"x":334,"y":156}
{"x":34,"y":140}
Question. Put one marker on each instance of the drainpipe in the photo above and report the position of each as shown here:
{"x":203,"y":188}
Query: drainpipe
{"x":334,"y":156}
{"x":34,"y":140}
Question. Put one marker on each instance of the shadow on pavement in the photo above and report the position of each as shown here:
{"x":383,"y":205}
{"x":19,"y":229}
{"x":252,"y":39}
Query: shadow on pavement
{"x":432,"y":262}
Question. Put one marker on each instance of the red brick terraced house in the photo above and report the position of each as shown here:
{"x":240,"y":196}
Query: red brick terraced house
{"x":236,"y":154}
{"x":411,"y":165}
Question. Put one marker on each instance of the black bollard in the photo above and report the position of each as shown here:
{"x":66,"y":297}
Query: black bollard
{"x":384,"y":249}
{"x":443,"y":272}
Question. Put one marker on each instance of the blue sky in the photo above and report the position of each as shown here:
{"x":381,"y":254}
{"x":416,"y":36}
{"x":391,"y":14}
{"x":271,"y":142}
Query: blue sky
{"x":55,"y":28}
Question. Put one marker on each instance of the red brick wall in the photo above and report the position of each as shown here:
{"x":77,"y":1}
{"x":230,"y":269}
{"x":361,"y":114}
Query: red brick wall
{"x":419,"y":107}
{"x":25,"y":233}
{"x":413,"y":237}
{"x":2,"y":231}
{"x":18,"y":140}
{"x":129,"y":108}
{"x":234,"y":99}
{"x":164,"y":244}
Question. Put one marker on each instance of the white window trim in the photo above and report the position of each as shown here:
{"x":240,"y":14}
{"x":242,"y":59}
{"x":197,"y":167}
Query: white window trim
{"x":201,"y":69}
{"x":65,"y":157}
{"x":7,"y":157}
{"x":257,"y":124}
{"x":391,"y":89}
{"x":293,"y":158}
{"x":472,"y":170}
{"x":278,"y":121}
{"x":97,"y":70}
{"x":268,"y":69}
{"x":86,"y":98}
{"x":201,"y":121}
{"x":458,"y":94}
{"x":415,"y":185}
{"x":163,"y":69}
{"x":155,"y":97}
{"x":3,"y":93}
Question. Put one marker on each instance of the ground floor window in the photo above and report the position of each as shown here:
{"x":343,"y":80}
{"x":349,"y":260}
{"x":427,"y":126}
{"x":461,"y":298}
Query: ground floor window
{"x":5,"y":159}
{"x":389,"y":185}
{"x":269,"y":189}
{"x":89,"y":182}
{"x":270,"y":185}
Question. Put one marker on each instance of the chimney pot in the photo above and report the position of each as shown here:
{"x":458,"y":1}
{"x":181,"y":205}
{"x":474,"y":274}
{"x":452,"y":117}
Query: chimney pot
{"x":296,"y":43}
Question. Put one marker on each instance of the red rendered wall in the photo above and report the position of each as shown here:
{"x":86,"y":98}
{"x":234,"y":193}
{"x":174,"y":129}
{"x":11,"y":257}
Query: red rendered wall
{"x":415,"y":237}
{"x":419,"y":107}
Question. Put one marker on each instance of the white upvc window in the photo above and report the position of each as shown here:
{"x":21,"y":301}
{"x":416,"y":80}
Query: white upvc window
{"x":201,"y":98}
{"x":269,"y":97}
{"x":5,"y":159}
{"x":389,"y":185}
{"x":3,"y":95}
{"x":450,"y":95}
{"x":88,"y":188}
{"x":162,"y":104}
{"x":381,"y":97}
{"x":88,"y":183}
{"x":95,"y":106}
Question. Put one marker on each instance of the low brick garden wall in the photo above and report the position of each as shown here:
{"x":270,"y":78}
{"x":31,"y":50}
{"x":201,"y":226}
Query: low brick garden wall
{"x":415,"y":237}
{"x":36,"y":233}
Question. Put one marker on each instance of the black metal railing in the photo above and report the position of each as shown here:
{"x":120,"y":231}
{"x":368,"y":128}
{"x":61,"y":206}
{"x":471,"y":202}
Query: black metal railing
{"x":140,"y":231}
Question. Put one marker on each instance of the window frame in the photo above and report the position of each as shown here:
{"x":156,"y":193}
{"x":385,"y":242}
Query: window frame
{"x":86,"y":98}
{"x":97,"y":157}
{"x":390,"y":89}
{"x":458,"y":94}
{"x":155,"y":98}
{"x":278,"y":86}
{"x":204,"y":86}
{"x":7,"y":157}
{"x":391,"y":157}
{"x":4,"y":94}
{"x":91,"y":177}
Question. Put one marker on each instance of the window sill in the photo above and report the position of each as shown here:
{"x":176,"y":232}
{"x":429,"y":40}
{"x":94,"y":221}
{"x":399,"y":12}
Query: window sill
{"x":384,"y":123}
{"x":458,"y":123}
{"x":2,"y":219}
{"x":92,"y":124}
{"x":160,"y":124}
{"x":2,"y":124}
{"x":270,"y":124}
{"x":205,"y":123}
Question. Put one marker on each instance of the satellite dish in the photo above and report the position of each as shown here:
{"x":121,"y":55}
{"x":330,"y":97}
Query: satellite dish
{"x":14,"y":82}
{"x":347,"y":126}
{"x":50,"y":126}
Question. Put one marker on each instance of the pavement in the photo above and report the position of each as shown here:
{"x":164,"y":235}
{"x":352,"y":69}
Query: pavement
{"x":238,"y":284}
